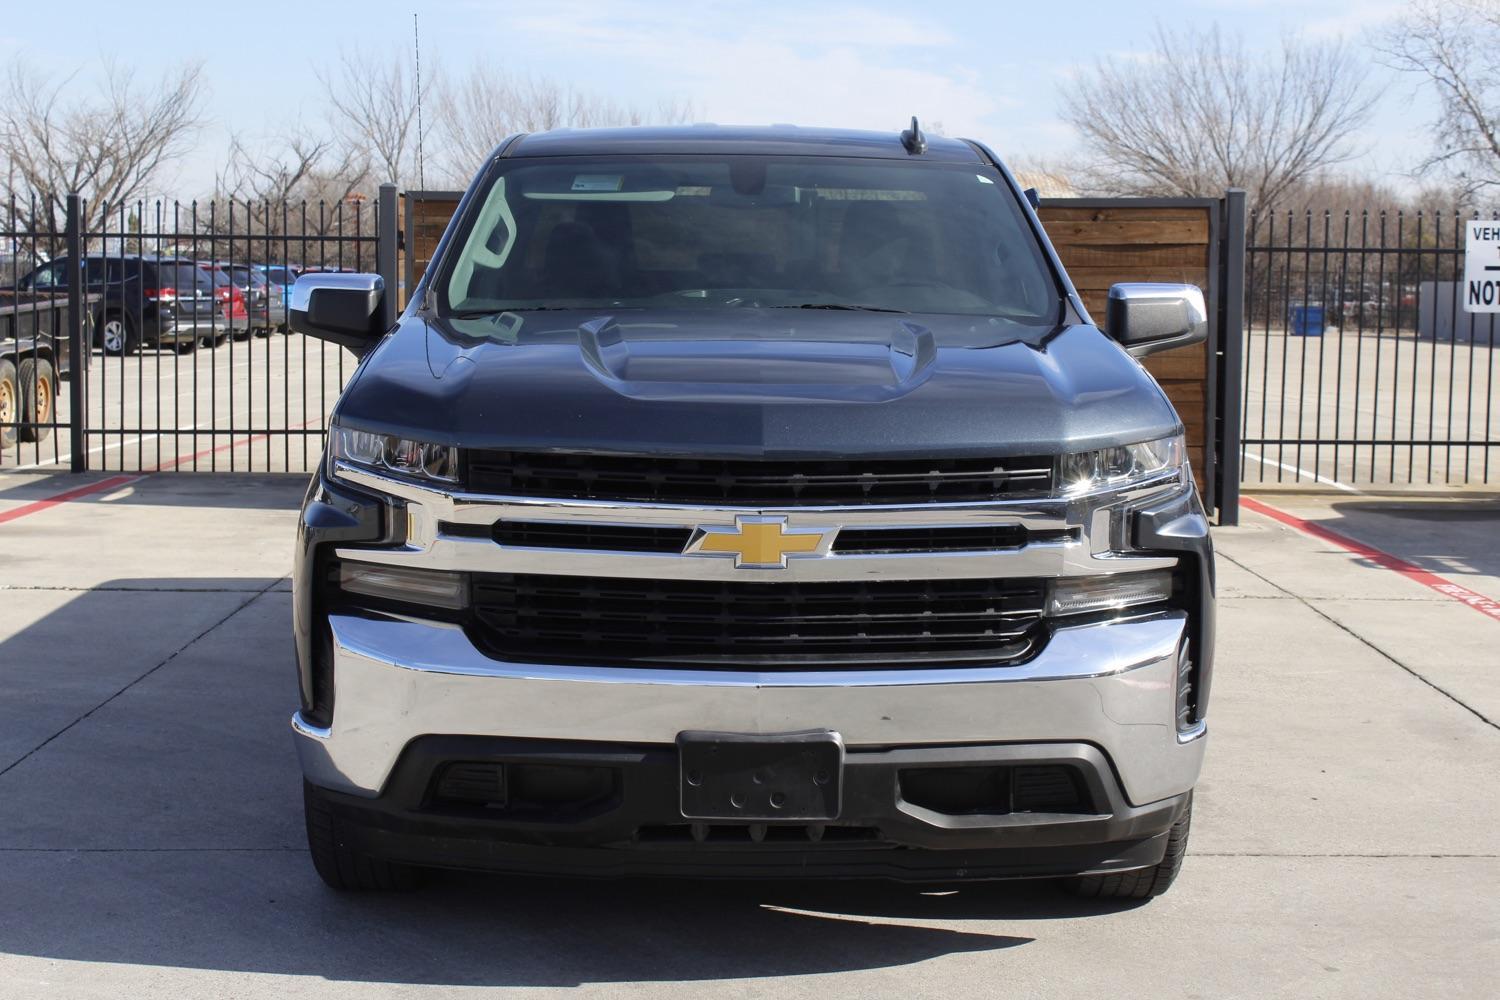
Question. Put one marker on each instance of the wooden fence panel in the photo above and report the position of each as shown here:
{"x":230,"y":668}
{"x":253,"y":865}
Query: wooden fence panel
{"x":1102,"y":245}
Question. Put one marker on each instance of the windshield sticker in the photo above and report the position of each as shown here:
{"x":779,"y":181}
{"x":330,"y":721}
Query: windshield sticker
{"x":598,"y":182}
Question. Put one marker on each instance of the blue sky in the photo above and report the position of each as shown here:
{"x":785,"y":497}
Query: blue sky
{"x":987,"y":70}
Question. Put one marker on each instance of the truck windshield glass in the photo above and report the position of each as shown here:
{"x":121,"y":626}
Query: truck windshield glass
{"x":760,"y":232}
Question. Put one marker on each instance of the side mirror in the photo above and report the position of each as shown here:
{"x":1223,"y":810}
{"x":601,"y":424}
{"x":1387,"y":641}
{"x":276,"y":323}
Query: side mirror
{"x":1148,"y":318}
{"x":342,"y":309}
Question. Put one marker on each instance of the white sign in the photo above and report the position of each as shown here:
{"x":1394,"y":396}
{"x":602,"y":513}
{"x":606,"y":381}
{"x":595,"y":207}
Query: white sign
{"x":1482,"y":267}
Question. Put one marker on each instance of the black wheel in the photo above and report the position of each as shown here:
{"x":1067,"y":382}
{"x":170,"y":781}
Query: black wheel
{"x":1142,"y":883}
{"x":118,"y":335}
{"x":243,"y":334}
{"x":38,"y":384}
{"x":341,"y":866}
{"x":10,"y":404}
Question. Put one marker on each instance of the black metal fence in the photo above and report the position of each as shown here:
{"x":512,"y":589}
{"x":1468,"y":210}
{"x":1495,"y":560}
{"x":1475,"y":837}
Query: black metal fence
{"x":1361,"y":366}
{"x":151,"y":336}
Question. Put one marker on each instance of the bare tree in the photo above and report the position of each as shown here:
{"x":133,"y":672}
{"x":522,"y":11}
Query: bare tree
{"x":1450,"y":43}
{"x":109,"y":147}
{"x":300,"y":167}
{"x":282,"y":200}
{"x":476,"y":112}
{"x":373,"y":110}
{"x":1198,"y":113}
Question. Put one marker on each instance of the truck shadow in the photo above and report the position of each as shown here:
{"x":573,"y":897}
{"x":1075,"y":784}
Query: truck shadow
{"x":150,"y":816}
{"x":1447,"y":537}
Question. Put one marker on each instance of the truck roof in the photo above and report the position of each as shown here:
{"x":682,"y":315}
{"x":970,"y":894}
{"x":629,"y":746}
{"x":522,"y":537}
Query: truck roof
{"x":771,"y":139}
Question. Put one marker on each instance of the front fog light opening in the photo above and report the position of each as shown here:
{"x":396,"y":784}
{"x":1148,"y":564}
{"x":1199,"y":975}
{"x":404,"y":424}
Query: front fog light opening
{"x":433,"y":588}
{"x":1092,"y":594}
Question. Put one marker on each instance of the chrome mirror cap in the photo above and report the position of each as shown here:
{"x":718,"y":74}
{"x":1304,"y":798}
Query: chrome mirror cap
{"x":1146,"y":318}
{"x":341,"y":308}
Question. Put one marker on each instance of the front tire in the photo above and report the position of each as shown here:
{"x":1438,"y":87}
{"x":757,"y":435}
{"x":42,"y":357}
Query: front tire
{"x":118,"y":335}
{"x":1141,"y":883}
{"x":341,"y":866}
{"x":38,"y":382}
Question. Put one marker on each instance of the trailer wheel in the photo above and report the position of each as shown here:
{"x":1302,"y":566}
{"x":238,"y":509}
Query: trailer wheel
{"x":38,"y":396}
{"x":10,"y":404}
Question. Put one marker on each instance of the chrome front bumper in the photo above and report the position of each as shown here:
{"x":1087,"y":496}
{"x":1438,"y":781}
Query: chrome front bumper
{"x":1112,"y":685}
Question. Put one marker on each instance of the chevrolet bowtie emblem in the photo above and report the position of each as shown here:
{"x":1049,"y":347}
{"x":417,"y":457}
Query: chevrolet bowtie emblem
{"x":758,"y":542}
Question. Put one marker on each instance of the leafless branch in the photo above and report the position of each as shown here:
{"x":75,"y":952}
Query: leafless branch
{"x":1198,"y":114}
{"x":109,"y":146}
{"x":372,"y":104}
{"x":1450,"y":44}
{"x":483,"y":107}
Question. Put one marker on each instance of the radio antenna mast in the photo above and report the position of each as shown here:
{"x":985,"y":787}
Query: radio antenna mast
{"x":416,"y":42}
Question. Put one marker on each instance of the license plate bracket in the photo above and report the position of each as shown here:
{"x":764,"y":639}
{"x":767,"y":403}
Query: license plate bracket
{"x":760,"y":777}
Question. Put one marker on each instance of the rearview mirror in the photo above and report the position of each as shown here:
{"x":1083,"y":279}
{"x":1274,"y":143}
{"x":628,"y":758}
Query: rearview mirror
{"x":342,"y":309}
{"x":1148,"y":318}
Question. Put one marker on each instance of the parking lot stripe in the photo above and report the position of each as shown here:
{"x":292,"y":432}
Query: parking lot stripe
{"x":1479,"y":602}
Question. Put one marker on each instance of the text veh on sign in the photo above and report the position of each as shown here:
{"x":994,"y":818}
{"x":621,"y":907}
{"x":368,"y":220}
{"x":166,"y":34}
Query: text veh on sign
{"x":1482,"y":267}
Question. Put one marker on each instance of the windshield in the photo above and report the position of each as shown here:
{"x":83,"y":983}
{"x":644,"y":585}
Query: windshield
{"x":760,"y":232}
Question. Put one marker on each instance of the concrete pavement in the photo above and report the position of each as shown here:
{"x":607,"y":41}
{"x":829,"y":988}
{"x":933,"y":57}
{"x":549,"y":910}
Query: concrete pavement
{"x":1345,"y":841}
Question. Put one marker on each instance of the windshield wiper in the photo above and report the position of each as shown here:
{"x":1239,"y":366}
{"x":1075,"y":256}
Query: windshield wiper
{"x":482,"y":313}
{"x":843,"y":305}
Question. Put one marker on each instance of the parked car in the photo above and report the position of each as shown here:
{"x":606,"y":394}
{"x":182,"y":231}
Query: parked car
{"x":329,"y":269}
{"x":33,"y":356}
{"x":13,"y":266}
{"x":231,"y":303}
{"x":283,"y":275}
{"x":751,"y":502}
{"x":141,"y":300}
{"x":264,"y":302}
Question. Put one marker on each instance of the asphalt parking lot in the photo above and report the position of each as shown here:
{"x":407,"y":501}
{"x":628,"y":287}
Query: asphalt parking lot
{"x":150,"y":826}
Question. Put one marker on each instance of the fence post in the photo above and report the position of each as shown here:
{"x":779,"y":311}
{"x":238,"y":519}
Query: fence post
{"x":78,"y":347}
{"x":385,"y":252}
{"x":1231,"y":331}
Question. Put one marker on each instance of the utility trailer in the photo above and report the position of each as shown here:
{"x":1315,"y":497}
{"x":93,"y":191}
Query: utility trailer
{"x":34,"y":356}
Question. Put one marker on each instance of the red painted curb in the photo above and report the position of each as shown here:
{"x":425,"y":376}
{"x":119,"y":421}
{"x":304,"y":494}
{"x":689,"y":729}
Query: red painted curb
{"x":36,"y":506}
{"x":1484,"y":605}
{"x":114,"y":482}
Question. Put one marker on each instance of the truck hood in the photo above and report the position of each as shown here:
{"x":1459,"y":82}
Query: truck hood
{"x":750,"y":384}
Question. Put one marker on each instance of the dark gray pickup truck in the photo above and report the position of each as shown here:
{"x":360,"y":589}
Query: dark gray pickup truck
{"x":751,"y":502}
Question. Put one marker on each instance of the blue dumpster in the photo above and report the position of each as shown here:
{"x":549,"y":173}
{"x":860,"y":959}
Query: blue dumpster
{"x":1307,"y":321}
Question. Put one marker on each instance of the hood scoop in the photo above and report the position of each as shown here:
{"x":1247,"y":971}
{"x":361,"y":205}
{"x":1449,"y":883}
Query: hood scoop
{"x":758,"y":369}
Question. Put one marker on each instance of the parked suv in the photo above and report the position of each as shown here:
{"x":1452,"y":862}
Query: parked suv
{"x":155,"y":301}
{"x":265,"y":303}
{"x":754,"y":502}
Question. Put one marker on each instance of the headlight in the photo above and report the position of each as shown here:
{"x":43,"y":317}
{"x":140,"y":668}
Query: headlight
{"x":388,"y":453}
{"x":1125,"y":465}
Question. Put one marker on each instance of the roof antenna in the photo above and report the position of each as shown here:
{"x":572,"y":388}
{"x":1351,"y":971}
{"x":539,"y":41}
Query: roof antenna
{"x":913,"y":139}
{"x":416,"y":44}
